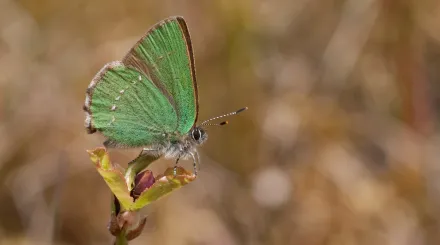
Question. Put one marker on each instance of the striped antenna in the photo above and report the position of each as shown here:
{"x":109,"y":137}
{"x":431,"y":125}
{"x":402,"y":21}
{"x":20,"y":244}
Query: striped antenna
{"x":205,"y":123}
{"x":216,"y":124}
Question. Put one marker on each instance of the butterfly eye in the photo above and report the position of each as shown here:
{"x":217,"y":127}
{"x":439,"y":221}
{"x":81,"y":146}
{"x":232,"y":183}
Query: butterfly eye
{"x":196,"y":134}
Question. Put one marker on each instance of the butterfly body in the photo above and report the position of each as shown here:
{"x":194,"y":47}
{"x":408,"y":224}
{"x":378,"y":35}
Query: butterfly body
{"x":184,"y":147}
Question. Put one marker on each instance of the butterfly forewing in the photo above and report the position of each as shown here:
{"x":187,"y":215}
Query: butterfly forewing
{"x":128,"y":108}
{"x":165,"y":55}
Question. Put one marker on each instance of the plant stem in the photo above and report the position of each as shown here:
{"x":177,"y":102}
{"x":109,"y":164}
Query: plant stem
{"x":121,"y":239}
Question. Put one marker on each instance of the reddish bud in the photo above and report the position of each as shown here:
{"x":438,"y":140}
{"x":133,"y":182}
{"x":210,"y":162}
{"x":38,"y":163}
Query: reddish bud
{"x":142,"y":182}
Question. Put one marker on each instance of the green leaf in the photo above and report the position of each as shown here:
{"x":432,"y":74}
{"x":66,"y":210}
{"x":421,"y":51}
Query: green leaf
{"x":147,"y":187}
{"x":113,"y":175}
{"x":164,"y":185}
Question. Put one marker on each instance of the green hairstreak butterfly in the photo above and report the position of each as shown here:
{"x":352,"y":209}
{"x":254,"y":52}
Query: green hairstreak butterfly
{"x":149,"y":99}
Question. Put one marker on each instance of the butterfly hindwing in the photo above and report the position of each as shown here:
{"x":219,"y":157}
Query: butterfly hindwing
{"x":165,"y":55}
{"x":127,"y":108}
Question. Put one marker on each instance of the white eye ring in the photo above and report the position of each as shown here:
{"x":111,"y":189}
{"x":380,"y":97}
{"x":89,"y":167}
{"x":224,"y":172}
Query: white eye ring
{"x":196,"y":134}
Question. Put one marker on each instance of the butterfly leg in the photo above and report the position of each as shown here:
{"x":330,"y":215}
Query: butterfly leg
{"x":198,"y":159}
{"x":195,"y":162}
{"x":175,"y":166}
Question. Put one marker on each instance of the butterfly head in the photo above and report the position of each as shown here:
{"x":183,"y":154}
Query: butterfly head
{"x":199,"y":135}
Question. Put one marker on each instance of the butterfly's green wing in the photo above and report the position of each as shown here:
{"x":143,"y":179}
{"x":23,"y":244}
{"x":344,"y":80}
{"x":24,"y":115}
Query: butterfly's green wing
{"x":126,"y":106}
{"x":165,"y":55}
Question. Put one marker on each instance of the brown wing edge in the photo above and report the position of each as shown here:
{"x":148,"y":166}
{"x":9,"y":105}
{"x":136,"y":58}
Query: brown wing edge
{"x":89,"y":94}
{"x":130,"y":59}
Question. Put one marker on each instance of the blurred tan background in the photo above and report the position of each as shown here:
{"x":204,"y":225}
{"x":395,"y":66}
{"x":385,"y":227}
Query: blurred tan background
{"x":340,"y":144}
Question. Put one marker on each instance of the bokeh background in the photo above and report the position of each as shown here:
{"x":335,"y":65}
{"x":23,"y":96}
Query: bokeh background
{"x":340,"y":144}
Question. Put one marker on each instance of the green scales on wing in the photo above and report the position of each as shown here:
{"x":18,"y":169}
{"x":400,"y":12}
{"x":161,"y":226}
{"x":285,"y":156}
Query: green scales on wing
{"x":151,"y":95}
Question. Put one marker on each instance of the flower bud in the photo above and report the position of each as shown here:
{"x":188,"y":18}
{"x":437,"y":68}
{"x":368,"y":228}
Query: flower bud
{"x":142,"y":182}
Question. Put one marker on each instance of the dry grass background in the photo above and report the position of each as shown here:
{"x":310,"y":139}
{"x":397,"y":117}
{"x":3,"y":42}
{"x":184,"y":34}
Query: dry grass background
{"x":340,"y":145}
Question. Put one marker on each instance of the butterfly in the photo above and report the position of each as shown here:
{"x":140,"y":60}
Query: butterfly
{"x":149,"y":99}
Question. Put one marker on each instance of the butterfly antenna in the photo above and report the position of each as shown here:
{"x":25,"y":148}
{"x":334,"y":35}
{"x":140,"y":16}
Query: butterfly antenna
{"x":205,"y":123}
{"x":216,"y":124}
